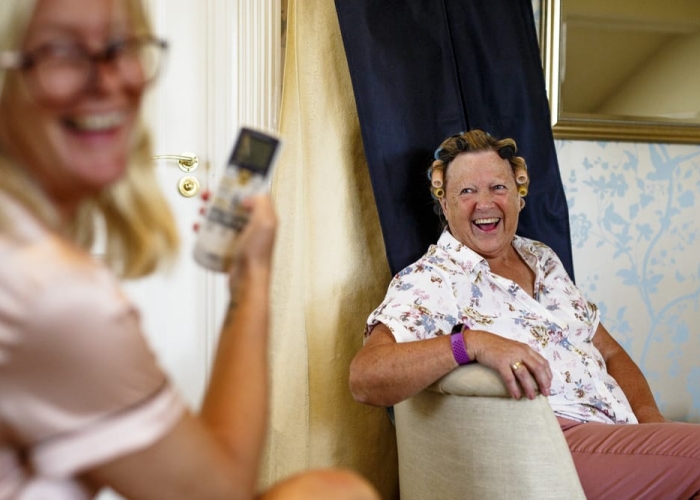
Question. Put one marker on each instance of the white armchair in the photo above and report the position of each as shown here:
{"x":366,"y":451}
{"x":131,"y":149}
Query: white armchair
{"x":465,"y":437}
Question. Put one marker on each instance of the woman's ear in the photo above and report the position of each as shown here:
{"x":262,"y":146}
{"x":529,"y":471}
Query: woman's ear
{"x":522,"y":204}
{"x":443,"y":205}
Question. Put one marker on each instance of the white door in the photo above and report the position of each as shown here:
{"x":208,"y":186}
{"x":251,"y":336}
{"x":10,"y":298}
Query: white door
{"x":173,"y":303}
{"x":222,"y":71}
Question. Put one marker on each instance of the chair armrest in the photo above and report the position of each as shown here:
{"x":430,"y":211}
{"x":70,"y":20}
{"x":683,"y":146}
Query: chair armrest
{"x":465,"y":437}
{"x":472,"y":380}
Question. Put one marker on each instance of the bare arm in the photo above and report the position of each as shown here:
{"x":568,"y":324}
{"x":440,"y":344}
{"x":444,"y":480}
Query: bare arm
{"x":385,"y":372}
{"x":217,"y":455}
{"x":629,"y":376}
{"x":235,"y":407}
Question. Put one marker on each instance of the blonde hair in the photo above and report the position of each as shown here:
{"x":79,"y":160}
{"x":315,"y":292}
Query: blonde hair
{"x":14,"y":18}
{"x":138,"y":224}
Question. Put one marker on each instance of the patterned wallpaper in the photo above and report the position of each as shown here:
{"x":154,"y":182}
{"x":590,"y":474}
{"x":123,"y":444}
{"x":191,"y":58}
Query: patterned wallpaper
{"x":635,"y":226}
{"x":634,"y":210}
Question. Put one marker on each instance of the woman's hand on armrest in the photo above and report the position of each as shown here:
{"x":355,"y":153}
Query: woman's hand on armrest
{"x":524,"y":371}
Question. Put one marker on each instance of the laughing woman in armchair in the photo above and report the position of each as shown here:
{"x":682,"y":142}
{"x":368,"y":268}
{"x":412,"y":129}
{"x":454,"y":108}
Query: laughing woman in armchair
{"x":483,"y":294}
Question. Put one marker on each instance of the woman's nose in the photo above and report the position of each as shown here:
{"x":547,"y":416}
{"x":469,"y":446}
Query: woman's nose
{"x":107,"y":77}
{"x":484,"y":198}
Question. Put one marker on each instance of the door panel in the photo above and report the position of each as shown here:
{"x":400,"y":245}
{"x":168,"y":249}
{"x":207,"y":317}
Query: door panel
{"x":171,"y":301}
{"x":222,"y":71}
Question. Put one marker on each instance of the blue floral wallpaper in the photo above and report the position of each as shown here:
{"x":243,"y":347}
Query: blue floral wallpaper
{"x":634,"y":210}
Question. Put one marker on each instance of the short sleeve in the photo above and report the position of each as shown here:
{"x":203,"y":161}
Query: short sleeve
{"x":420,"y":303}
{"x":78,"y":383}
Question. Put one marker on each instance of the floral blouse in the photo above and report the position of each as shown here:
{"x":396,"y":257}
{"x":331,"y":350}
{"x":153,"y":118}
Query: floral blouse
{"x":452,"y":284}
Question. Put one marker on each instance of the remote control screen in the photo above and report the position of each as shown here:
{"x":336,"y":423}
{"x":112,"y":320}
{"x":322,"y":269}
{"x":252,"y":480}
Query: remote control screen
{"x":254,"y":151}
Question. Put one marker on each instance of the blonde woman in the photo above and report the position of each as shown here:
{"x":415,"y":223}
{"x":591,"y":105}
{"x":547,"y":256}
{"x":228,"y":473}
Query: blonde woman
{"x":83,"y":402}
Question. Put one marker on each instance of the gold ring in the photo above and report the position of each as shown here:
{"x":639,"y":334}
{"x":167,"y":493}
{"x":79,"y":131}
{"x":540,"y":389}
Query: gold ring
{"x":517,"y":365}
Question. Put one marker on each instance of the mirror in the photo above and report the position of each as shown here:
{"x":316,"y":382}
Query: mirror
{"x":623,"y":69}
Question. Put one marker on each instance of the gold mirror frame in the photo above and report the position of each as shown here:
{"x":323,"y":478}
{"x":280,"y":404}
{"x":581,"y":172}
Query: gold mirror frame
{"x":597,"y":127}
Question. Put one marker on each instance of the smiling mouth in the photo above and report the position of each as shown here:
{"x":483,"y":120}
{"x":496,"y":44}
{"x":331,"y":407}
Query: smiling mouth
{"x":487,"y":224}
{"x":95,"y":122}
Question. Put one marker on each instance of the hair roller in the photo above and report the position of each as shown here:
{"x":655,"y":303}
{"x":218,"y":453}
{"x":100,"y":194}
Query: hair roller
{"x":506,"y":152}
{"x":461,"y":143}
{"x":444,"y":156}
{"x":522,"y":191}
{"x":438,"y":192}
{"x":437,"y":177}
{"x":521,"y":176}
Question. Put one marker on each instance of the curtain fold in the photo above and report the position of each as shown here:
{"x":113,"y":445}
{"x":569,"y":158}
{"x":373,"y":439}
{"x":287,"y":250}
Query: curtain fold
{"x":330,"y":266}
{"x":425,"y":69}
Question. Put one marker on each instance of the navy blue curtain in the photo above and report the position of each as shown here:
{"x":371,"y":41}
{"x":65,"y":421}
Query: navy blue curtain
{"x":422,"y":70}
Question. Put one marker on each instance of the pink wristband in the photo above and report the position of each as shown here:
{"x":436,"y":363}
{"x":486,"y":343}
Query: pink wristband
{"x":459,"y":350}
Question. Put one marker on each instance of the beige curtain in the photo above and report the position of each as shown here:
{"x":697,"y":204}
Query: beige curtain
{"x":330,"y":266}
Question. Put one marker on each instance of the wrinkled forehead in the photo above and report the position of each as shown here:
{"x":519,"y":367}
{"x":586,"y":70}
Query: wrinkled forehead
{"x":479,"y":165}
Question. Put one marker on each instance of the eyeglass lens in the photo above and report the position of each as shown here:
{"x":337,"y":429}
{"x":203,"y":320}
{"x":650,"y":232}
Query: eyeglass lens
{"x":61,"y":73}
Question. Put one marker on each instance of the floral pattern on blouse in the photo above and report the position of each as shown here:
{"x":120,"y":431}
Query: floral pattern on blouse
{"x":452,"y":284}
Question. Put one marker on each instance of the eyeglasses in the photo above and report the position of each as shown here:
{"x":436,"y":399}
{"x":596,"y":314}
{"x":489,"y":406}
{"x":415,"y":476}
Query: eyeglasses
{"x":59,"y":73}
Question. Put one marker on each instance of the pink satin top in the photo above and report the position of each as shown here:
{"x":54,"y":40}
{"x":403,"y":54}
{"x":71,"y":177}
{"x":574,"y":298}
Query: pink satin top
{"x":79,"y":386}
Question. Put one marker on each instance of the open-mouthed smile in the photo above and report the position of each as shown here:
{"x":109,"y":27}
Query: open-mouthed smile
{"x":96,"y":122}
{"x":487,"y":224}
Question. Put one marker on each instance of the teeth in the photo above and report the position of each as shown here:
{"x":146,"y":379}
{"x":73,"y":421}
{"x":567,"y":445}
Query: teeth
{"x":98,"y":122}
{"x":492,"y":220}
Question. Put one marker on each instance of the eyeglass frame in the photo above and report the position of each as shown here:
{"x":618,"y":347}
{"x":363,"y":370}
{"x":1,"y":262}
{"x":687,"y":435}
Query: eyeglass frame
{"x":25,"y":61}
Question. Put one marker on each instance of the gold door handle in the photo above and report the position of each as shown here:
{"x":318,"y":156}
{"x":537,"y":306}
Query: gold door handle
{"x":186,"y":161}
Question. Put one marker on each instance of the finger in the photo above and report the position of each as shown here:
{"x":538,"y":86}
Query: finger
{"x":538,"y":371}
{"x":259,"y":234}
{"x":526,"y":380}
{"x":539,"y":368}
{"x":250,"y":202}
{"x":544,"y":381}
{"x":262,"y":210}
{"x":511,"y":382}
